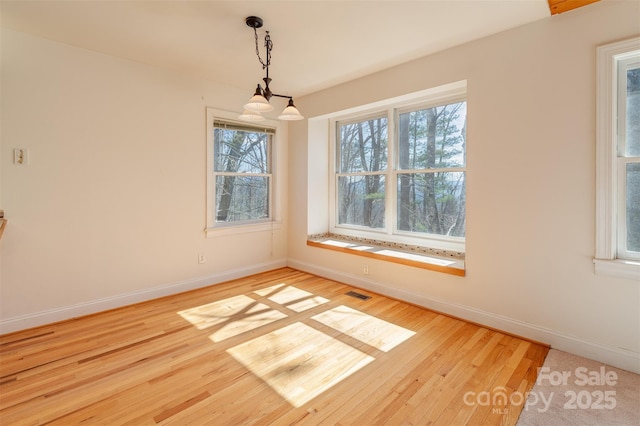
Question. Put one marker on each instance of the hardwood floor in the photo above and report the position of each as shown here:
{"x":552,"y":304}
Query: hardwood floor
{"x":281,"y":347}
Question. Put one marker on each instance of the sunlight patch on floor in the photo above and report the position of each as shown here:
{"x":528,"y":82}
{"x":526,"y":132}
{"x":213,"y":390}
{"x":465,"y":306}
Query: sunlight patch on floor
{"x":249,"y":323}
{"x":232,"y":316}
{"x":299,"y":362}
{"x":293,"y":298}
{"x":368,"y":329}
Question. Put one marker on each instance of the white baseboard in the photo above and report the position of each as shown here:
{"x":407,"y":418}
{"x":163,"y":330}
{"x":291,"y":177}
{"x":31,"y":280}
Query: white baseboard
{"x":67,"y":312}
{"x":616,"y":357}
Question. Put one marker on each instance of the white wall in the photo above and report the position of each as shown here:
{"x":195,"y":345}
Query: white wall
{"x":530,"y":192}
{"x":111,"y":207}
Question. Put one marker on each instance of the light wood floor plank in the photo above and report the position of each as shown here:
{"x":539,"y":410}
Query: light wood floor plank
{"x":281,"y":347}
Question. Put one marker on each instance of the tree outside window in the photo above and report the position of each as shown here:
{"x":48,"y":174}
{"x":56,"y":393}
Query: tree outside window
{"x":632,"y":153}
{"x":431,"y":158}
{"x":363,"y":165}
{"x":414,"y":184}
{"x":242,"y":174}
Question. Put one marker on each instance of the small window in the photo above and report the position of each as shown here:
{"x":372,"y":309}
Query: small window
{"x":618,"y":160}
{"x":431,"y":177}
{"x":362,"y":166}
{"x":628,"y":142}
{"x":240,"y":188}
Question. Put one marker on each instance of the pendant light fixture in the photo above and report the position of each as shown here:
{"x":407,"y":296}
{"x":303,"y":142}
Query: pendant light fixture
{"x":259,"y":102}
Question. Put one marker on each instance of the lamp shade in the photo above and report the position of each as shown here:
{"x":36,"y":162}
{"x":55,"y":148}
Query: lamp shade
{"x":290,"y":112}
{"x":251,"y":116}
{"x":258,"y":103}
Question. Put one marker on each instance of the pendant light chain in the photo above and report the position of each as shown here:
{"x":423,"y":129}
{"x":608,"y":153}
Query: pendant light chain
{"x":268,"y":44}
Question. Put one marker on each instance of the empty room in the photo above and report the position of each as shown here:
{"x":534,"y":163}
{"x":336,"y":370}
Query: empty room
{"x":320,"y":212}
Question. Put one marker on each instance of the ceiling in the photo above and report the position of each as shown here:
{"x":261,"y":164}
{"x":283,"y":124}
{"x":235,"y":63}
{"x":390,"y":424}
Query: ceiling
{"x":316,"y":44}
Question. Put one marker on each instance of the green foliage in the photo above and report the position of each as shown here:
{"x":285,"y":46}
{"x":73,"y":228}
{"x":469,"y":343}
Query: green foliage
{"x":431,"y":198}
{"x":374,"y":196}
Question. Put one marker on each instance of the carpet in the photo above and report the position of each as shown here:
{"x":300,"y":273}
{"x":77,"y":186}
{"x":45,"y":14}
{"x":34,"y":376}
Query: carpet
{"x":571,"y":390}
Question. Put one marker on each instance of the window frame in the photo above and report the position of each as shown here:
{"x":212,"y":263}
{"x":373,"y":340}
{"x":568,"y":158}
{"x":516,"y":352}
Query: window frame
{"x":611,"y":258}
{"x":336,"y":173}
{"x":438,"y":96}
{"x":273,"y":221}
{"x":622,"y":159}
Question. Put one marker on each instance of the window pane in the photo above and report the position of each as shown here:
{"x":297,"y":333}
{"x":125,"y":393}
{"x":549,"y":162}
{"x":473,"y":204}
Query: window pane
{"x":432,"y":138}
{"x":361,"y":200}
{"x":633,"y":207}
{"x":240,"y":152}
{"x":432,"y":203}
{"x":363,"y":146}
{"x":242,"y":198}
{"x":633,"y":113}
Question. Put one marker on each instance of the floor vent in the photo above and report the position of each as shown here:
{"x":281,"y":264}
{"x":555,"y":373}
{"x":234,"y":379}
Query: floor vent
{"x":358,"y":295}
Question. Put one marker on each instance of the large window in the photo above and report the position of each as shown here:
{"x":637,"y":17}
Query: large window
{"x":400,"y":173}
{"x":618,"y":160}
{"x":240,"y":177}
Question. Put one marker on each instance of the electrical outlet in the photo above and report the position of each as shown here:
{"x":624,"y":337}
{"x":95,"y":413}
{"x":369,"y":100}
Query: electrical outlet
{"x":365,"y":269}
{"x":201,"y":258}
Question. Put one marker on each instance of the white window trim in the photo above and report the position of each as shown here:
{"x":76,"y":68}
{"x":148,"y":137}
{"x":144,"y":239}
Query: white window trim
{"x":623,"y":160}
{"x":453,"y":92}
{"x":277,"y":159}
{"x":606,"y":257}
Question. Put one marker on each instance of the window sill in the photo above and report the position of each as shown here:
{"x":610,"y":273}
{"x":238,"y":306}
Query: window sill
{"x":618,"y":268}
{"x":242,"y":229}
{"x":446,"y":265}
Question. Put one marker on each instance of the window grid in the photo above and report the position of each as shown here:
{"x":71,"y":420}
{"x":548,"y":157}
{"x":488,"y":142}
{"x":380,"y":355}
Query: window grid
{"x":257,"y":206}
{"x":391,"y":174}
{"x":627,"y":244}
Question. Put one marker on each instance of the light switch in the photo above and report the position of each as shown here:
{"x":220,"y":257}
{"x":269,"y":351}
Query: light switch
{"x":20,"y":156}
